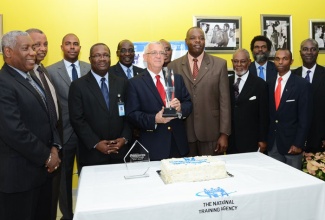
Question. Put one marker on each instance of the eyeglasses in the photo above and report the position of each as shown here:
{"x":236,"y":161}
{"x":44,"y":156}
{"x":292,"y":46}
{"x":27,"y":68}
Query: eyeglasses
{"x":155,"y":53}
{"x":123,"y":50}
{"x":236,"y":62}
{"x":98,"y":56}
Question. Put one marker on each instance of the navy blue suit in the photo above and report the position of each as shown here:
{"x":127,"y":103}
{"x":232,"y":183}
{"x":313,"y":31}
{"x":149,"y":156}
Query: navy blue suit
{"x":271,"y":72}
{"x":289,"y":124}
{"x":142,"y":105}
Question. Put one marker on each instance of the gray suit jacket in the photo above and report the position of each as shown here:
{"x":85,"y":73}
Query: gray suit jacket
{"x":60,"y":78}
{"x":209,"y":95}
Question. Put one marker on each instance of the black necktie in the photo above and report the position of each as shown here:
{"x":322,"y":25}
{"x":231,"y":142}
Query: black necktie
{"x":307,"y":76}
{"x":74,"y":72}
{"x":236,"y":88}
{"x":49,"y":98}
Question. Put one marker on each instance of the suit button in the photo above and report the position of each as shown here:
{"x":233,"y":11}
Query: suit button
{"x":276,"y":121}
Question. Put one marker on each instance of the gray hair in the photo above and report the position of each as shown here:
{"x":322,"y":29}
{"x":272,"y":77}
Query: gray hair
{"x":150,"y":43}
{"x":242,"y":50}
{"x":10,"y":39}
{"x":314,"y":42}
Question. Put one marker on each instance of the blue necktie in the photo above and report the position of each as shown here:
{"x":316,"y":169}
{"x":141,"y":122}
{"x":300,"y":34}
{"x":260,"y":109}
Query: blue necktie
{"x":129,"y":73}
{"x":104,"y":89}
{"x":307,"y":76}
{"x":261,"y":73}
{"x":74,"y":72}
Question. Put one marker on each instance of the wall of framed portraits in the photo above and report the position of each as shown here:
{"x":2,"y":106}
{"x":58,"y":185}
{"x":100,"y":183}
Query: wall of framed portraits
{"x":110,"y":21}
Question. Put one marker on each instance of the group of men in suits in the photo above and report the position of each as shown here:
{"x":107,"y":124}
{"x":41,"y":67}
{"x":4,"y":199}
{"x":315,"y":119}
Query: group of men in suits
{"x":284,"y":114}
{"x":262,"y":107}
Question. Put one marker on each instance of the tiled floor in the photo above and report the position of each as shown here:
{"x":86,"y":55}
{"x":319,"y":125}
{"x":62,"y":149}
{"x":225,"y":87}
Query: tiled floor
{"x":74,"y":199}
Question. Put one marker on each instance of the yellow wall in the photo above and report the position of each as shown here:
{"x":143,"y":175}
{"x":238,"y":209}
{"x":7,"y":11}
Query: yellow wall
{"x":110,"y":21}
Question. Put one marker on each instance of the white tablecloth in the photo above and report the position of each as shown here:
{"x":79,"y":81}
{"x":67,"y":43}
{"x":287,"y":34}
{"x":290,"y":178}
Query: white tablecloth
{"x":261,"y":189}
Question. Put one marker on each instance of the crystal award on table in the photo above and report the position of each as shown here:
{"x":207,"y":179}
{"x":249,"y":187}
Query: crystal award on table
{"x":170,"y":94}
{"x":135,"y":160}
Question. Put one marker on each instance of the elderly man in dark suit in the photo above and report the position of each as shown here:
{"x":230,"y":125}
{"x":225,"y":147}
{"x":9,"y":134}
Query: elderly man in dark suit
{"x":261,"y":67}
{"x":29,"y":140}
{"x":164,"y":137}
{"x":249,"y":104}
{"x":124,"y":67}
{"x":95,"y":116}
{"x":62,"y":73}
{"x":290,"y":112}
{"x":315,"y":74}
{"x":206,"y":79}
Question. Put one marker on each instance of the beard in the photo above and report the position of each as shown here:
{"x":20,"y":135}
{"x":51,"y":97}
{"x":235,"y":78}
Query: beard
{"x":240,"y":73}
{"x":261,"y":58}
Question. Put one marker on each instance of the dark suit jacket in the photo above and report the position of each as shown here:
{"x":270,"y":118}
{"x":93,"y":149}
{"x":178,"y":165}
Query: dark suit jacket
{"x":144,"y":102}
{"x":26,"y":134}
{"x":118,"y":71}
{"x":271,"y":71}
{"x":93,"y":122}
{"x":289,"y":124}
{"x":317,"y":130}
{"x":209,"y":95}
{"x":250,"y":115}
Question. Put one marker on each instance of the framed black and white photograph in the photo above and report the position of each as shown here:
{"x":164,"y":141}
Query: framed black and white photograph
{"x":222,"y":34}
{"x":317,"y":32}
{"x":1,"y":30}
{"x":278,"y":28}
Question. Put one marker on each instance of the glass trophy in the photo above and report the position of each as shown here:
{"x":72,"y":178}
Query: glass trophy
{"x":170,"y":94}
{"x":134,"y":161}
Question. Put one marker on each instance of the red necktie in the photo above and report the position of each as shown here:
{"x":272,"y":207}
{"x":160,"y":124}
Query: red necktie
{"x":277,"y":94}
{"x":195,"y":68}
{"x":161,"y":90}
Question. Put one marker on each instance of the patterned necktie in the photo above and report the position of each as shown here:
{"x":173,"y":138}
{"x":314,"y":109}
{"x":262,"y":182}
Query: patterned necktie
{"x":161,"y":90}
{"x":128,"y":71}
{"x":38,"y":90}
{"x":236,"y":87}
{"x":261,"y":73}
{"x":277,"y":94}
{"x":49,"y":98}
{"x":195,"y":68}
{"x":307,"y":76}
{"x":74,"y":72}
{"x":104,"y":89}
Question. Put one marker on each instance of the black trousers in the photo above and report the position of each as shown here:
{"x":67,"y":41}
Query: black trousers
{"x":34,"y":204}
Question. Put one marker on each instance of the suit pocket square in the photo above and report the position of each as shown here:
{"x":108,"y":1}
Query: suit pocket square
{"x":291,"y":100}
{"x":252,"y":98}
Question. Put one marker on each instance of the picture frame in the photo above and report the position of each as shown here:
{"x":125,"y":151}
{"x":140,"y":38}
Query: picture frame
{"x":317,"y":32}
{"x":1,"y":31}
{"x":222,"y":34}
{"x":278,"y":28}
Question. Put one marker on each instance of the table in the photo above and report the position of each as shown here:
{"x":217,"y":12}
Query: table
{"x":261,"y":189}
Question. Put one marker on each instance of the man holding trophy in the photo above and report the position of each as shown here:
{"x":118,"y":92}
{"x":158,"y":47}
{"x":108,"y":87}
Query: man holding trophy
{"x":158,"y":103}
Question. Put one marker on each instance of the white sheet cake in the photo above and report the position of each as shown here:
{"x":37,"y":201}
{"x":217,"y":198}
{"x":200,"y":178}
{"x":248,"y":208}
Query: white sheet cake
{"x":192,"y":169}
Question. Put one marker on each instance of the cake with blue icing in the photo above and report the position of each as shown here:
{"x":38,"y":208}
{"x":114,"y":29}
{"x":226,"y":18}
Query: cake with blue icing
{"x":192,"y":169}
